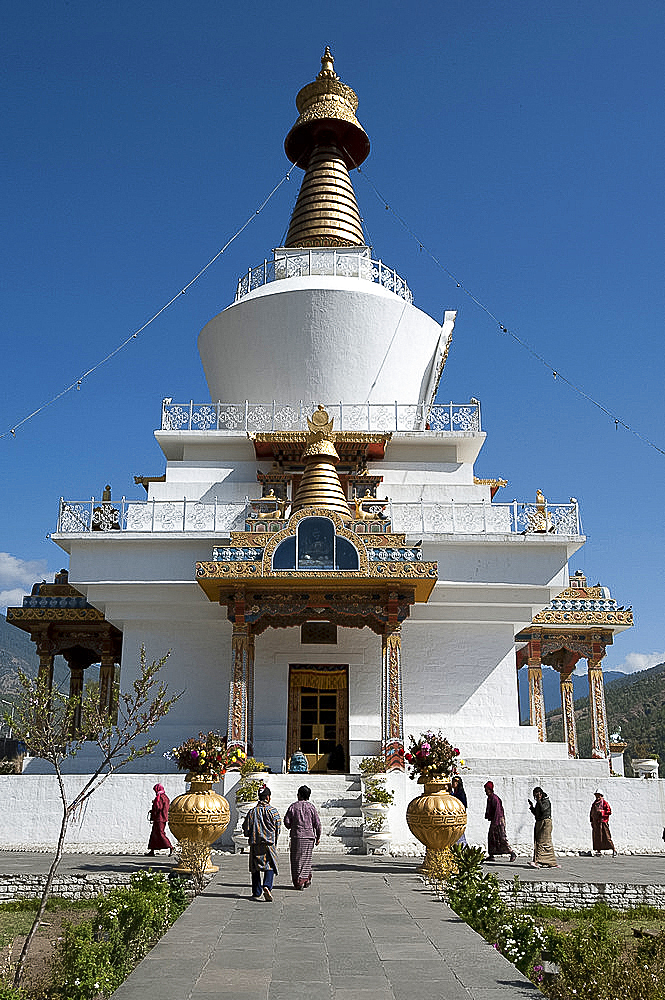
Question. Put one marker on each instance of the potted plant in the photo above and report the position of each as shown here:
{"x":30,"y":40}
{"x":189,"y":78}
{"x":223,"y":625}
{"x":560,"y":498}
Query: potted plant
{"x":376,"y":799}
{"x":372,"y":769}
{"x":436,"y":818}
{"x":375,"y":835}
{"x":198,"y":817}
{"x":252,"y":769}
{"x":644,"y":761}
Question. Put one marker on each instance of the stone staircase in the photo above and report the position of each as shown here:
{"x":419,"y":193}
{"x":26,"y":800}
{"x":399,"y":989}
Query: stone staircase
{"x":337,"y":799}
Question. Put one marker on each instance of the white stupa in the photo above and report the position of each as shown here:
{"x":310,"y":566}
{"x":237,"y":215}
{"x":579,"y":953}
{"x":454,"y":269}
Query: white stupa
{"x":318,"y":556}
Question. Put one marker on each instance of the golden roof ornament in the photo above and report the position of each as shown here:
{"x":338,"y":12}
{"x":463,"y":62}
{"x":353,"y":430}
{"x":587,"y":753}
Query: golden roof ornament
{"x":326,"y":141}
{"x":320,"y":485}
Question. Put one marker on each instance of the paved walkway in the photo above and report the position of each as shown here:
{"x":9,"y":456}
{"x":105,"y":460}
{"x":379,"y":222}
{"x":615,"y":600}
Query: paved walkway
{"x":367,"y":929}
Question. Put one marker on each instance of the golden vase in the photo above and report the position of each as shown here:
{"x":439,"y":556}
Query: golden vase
{"x":437,"y":819}
{"x":197,"y":818}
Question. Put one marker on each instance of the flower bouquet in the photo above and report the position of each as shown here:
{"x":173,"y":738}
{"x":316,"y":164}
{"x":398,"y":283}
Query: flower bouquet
{"x":205,"y":754}
{"x":432,"y":756}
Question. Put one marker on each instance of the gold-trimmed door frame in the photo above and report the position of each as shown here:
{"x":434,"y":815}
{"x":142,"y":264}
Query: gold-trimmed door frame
{"x":331,"y":677}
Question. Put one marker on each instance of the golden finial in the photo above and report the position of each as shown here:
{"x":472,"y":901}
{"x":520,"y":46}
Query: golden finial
{"x":327,"y":113}
{"x":328,"y":64}
{"x":326,"y":141}
{"x":320,"y":485}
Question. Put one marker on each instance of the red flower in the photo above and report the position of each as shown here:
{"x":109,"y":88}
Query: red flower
{"x":456,"y":752}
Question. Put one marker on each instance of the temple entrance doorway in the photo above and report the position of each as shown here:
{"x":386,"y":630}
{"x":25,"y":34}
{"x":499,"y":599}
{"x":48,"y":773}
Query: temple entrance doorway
{"x":318,"y":722}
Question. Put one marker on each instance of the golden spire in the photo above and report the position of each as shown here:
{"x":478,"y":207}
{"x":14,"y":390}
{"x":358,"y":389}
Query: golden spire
{"x":320,"y":485}
{"x":326,"y":141}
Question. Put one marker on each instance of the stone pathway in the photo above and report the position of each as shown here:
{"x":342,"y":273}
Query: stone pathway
{"x":367,"y":929}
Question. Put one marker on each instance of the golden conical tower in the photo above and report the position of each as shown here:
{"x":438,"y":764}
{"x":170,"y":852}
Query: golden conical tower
{"x":326,"y":141}
{"x":320,"y":486}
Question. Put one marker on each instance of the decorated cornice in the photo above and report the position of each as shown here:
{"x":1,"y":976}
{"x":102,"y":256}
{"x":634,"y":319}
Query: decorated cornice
{"x":353,"y":447}
{"x":383,"y":559}
{"x":23,"y":617}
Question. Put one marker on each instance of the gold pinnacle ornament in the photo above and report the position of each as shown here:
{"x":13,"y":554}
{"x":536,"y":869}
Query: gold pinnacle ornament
{"x":320,"y":485}
{"x":326,"y":141}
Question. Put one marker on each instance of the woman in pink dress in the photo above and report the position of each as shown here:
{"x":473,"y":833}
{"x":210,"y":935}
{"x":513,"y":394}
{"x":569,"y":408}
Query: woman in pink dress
{"x":159,"y":814}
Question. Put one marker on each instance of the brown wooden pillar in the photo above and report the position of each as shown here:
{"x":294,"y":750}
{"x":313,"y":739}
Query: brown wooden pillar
{"x":600,"y":740}
{"x":568,"y":713}
{"x":46,"y":659}
{"x":239,"y":732}
{"x":106,"y":677}
{"x":392,"y":718}
{"x":536,"y":696}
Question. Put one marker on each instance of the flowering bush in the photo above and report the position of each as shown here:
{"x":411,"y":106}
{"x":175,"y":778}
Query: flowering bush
{"x":206,"y":754}
{"x":432,"y":756}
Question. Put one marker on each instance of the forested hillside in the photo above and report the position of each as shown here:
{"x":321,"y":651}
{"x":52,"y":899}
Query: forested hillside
{"x":17,"y":652}
{"x":635,"y":702}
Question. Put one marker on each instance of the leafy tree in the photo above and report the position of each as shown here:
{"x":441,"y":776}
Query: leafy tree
{"x":48,"y":722}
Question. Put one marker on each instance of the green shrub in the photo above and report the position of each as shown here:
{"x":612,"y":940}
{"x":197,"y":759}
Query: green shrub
{"x":93,"y":959}
{"x":247,"y":791}
{"x":9,"y":992}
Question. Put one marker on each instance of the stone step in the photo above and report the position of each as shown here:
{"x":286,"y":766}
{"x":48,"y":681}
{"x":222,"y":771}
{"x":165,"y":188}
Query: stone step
{"x":337,"y":798}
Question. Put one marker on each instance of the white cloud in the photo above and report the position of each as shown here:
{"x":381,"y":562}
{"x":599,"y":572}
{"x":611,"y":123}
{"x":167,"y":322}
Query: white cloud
{"x":639,"y":661}
{"x":17,"y":577}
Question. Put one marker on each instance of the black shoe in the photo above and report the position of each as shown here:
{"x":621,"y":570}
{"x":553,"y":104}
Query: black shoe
{"x":512,"y":856}
{"x":267,"y":895}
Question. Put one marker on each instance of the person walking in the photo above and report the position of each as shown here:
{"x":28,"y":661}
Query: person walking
{"x":261,"y":826}
{"x":543,"y":851}
{"x":158,"y":815}
{"x":600,"y":827}
{"x":457,"y":789}
{"x":497,"y":841}
{"x":303,"y":821}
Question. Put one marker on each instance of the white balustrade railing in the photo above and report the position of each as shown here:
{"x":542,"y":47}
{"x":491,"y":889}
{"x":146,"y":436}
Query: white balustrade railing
{"x":247,"y":417}
{"x":421,"y":517}
{"x":317,"y":262}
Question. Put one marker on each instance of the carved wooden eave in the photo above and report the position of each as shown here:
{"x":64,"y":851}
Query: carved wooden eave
{"x":354,"y":448}
{"x":389,"y":571}
{"x":56,"y":627}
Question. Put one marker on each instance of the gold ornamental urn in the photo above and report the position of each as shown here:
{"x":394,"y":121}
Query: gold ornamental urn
{"x":197,"y":818}
{"x":437,"y":819}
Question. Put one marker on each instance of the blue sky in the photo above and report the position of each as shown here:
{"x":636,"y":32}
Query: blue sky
{"x":522,"y":143}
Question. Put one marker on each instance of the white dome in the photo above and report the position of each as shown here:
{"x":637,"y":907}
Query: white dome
{"x":322,"y":339}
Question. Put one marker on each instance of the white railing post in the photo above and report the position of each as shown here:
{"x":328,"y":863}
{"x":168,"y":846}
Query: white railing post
{"x":273,"y":415}
{"x":246,"y":414}
{"x":184,"y":513}
{"x":369,"y":417}
{"x":309,"y":262}
{"x":218,"y":408}
{"x":422,"y":515}
{"x":341,"y":415}
{"x":300,"y":416}
{"x":514,"y":515}
{"x":265,"y":271}
{"x":191,"y":411}
{"x":334,"y":263}
{"x":396,"y":417}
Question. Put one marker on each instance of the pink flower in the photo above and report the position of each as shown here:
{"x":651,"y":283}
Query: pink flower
{"x":456,"y":752}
